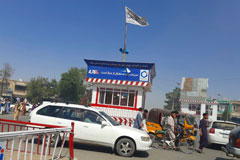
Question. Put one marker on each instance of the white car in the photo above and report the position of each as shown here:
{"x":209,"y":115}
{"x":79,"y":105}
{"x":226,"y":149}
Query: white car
{"x":92,"y":126}
{"x":218,"y":132}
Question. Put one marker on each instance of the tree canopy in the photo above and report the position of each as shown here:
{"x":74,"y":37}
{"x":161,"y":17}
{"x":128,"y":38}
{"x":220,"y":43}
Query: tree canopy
{"x":41,"y":88}
{"x":70,"y":88}
{"x":226,"y":114}
{"x":172,"y":100}
{"x":71,"y":85}
{"x":5,"y":74}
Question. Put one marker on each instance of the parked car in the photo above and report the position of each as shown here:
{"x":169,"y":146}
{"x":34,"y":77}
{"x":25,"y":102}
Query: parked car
{"x":218,"y":132}
{"x":28,"y":107}
{"x":233,"y":147}
{"x":92,"y":126}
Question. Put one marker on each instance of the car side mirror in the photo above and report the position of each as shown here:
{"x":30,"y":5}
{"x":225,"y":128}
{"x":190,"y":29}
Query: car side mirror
{"x":105,"y":123}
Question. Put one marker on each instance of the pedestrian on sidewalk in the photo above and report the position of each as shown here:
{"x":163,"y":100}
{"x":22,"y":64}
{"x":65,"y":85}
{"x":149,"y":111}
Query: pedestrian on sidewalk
{"x":203,"y":132}
{"x":138,"y":121}
{"x":7,"y":106}
{"x":17,"y":107}
{"x":144,"y":120}
{"x":171,"y":128}
{"x":2,"y":111}
{"x":1,"y":107}
{"x":24,"y":107}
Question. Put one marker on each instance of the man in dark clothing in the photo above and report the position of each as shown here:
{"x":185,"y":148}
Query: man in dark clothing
{"x":203,"y":132}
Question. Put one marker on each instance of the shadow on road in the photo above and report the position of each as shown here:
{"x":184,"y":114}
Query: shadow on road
{"x":141,"y":154}
{"x":220,"y":158}
{"x":103,"y":149}
{"x":215,"y":147}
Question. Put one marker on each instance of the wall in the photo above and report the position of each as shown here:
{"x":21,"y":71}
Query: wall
{"x":184,"y":109}
{"x":212,"y":117}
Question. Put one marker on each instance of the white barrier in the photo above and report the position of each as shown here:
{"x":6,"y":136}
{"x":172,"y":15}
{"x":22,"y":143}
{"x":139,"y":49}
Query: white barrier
{"x":29,"y":136}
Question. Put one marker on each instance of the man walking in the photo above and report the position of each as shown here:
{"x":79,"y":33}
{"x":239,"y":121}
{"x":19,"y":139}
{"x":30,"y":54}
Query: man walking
{"x":18,"y":107}
{"x":138,"y":121}
{"x":7,"y":106}
{"x":203,"y":132}
{"x":171,"y":128}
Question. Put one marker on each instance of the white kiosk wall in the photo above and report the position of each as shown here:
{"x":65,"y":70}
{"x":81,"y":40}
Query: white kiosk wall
{"x":113,"y":111}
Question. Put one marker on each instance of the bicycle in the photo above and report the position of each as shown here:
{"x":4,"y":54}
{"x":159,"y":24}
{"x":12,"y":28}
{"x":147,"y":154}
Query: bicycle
{"x":184,"y":140}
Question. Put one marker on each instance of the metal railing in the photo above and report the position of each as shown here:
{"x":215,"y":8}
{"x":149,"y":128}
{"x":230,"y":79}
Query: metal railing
{"x":35,"y":139}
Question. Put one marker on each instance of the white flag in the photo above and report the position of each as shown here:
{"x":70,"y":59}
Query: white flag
{"x":133,"y":18}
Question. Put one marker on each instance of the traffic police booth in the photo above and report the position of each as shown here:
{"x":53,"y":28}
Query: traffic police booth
{"x":119,"y":88}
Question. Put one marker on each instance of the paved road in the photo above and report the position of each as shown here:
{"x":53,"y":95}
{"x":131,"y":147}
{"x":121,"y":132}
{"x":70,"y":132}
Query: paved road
{"x":90,"y":152}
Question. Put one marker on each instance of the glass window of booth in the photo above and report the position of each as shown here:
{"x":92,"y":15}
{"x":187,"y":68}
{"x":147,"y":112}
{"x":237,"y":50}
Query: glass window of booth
{"x":102,"y":95}
{"x":118,"y":97}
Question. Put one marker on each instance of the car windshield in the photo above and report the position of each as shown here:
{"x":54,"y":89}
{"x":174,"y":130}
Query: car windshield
{"x":224,"y":125}
{"x":112,"y":121}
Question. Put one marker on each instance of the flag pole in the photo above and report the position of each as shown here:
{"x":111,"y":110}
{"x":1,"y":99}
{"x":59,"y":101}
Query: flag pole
{"x":125,"y":38}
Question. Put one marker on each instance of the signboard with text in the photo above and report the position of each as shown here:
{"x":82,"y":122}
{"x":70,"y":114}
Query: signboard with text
{"x":115,"y":73}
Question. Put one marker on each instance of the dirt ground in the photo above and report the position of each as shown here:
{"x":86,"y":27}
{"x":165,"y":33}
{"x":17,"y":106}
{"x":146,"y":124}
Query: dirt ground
{"x":35,"y":156}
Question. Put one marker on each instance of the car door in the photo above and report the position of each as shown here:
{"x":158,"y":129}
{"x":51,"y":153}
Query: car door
{"x":47,"y":115}
{"x":69,"y":115}
{"x":95,"y":131}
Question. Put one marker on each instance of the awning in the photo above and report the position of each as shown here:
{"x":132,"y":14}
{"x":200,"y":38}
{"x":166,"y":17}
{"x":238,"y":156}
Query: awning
{"x":117,"y":82}
{"x":197,"y":101}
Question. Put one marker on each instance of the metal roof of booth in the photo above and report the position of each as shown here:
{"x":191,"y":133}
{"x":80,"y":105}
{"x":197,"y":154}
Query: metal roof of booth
{"x":120,"y":64}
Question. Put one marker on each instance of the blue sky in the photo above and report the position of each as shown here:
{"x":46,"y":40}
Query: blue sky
{"x":185,"y":38}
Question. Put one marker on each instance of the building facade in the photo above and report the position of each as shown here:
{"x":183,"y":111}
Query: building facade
{"x":14,"y":88}
{"x":197,"y":108}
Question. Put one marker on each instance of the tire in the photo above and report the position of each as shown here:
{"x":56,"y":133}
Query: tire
{"x":125,"y":147}
{"x":187,"y":146}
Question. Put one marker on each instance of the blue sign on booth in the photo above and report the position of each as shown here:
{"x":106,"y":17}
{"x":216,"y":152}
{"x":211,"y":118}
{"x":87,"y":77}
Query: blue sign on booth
{"x":140,"y":72}
{"x":129,"y":74}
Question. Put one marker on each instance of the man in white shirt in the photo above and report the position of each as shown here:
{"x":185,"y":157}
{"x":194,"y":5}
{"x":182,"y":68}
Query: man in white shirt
{"x":171,"y":127}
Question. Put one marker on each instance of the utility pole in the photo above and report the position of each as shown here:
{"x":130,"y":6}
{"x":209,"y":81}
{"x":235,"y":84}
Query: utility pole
{"x":173,"y":104}
{"x":124,"y":47}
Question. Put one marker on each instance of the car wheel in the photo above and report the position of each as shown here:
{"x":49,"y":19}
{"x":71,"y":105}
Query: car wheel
{"x":125,"y":147}
{"x":29,"y":110}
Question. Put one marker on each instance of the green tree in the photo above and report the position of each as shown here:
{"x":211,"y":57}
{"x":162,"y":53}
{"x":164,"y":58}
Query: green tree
{"x":5,"y":74}
{"x":52,"y":89}
{"x":36,"y":89}
{"x":71,"y":85}
{"x":226,"y":114}
{"x":40,"y":88}
{"x":173,"y":100}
